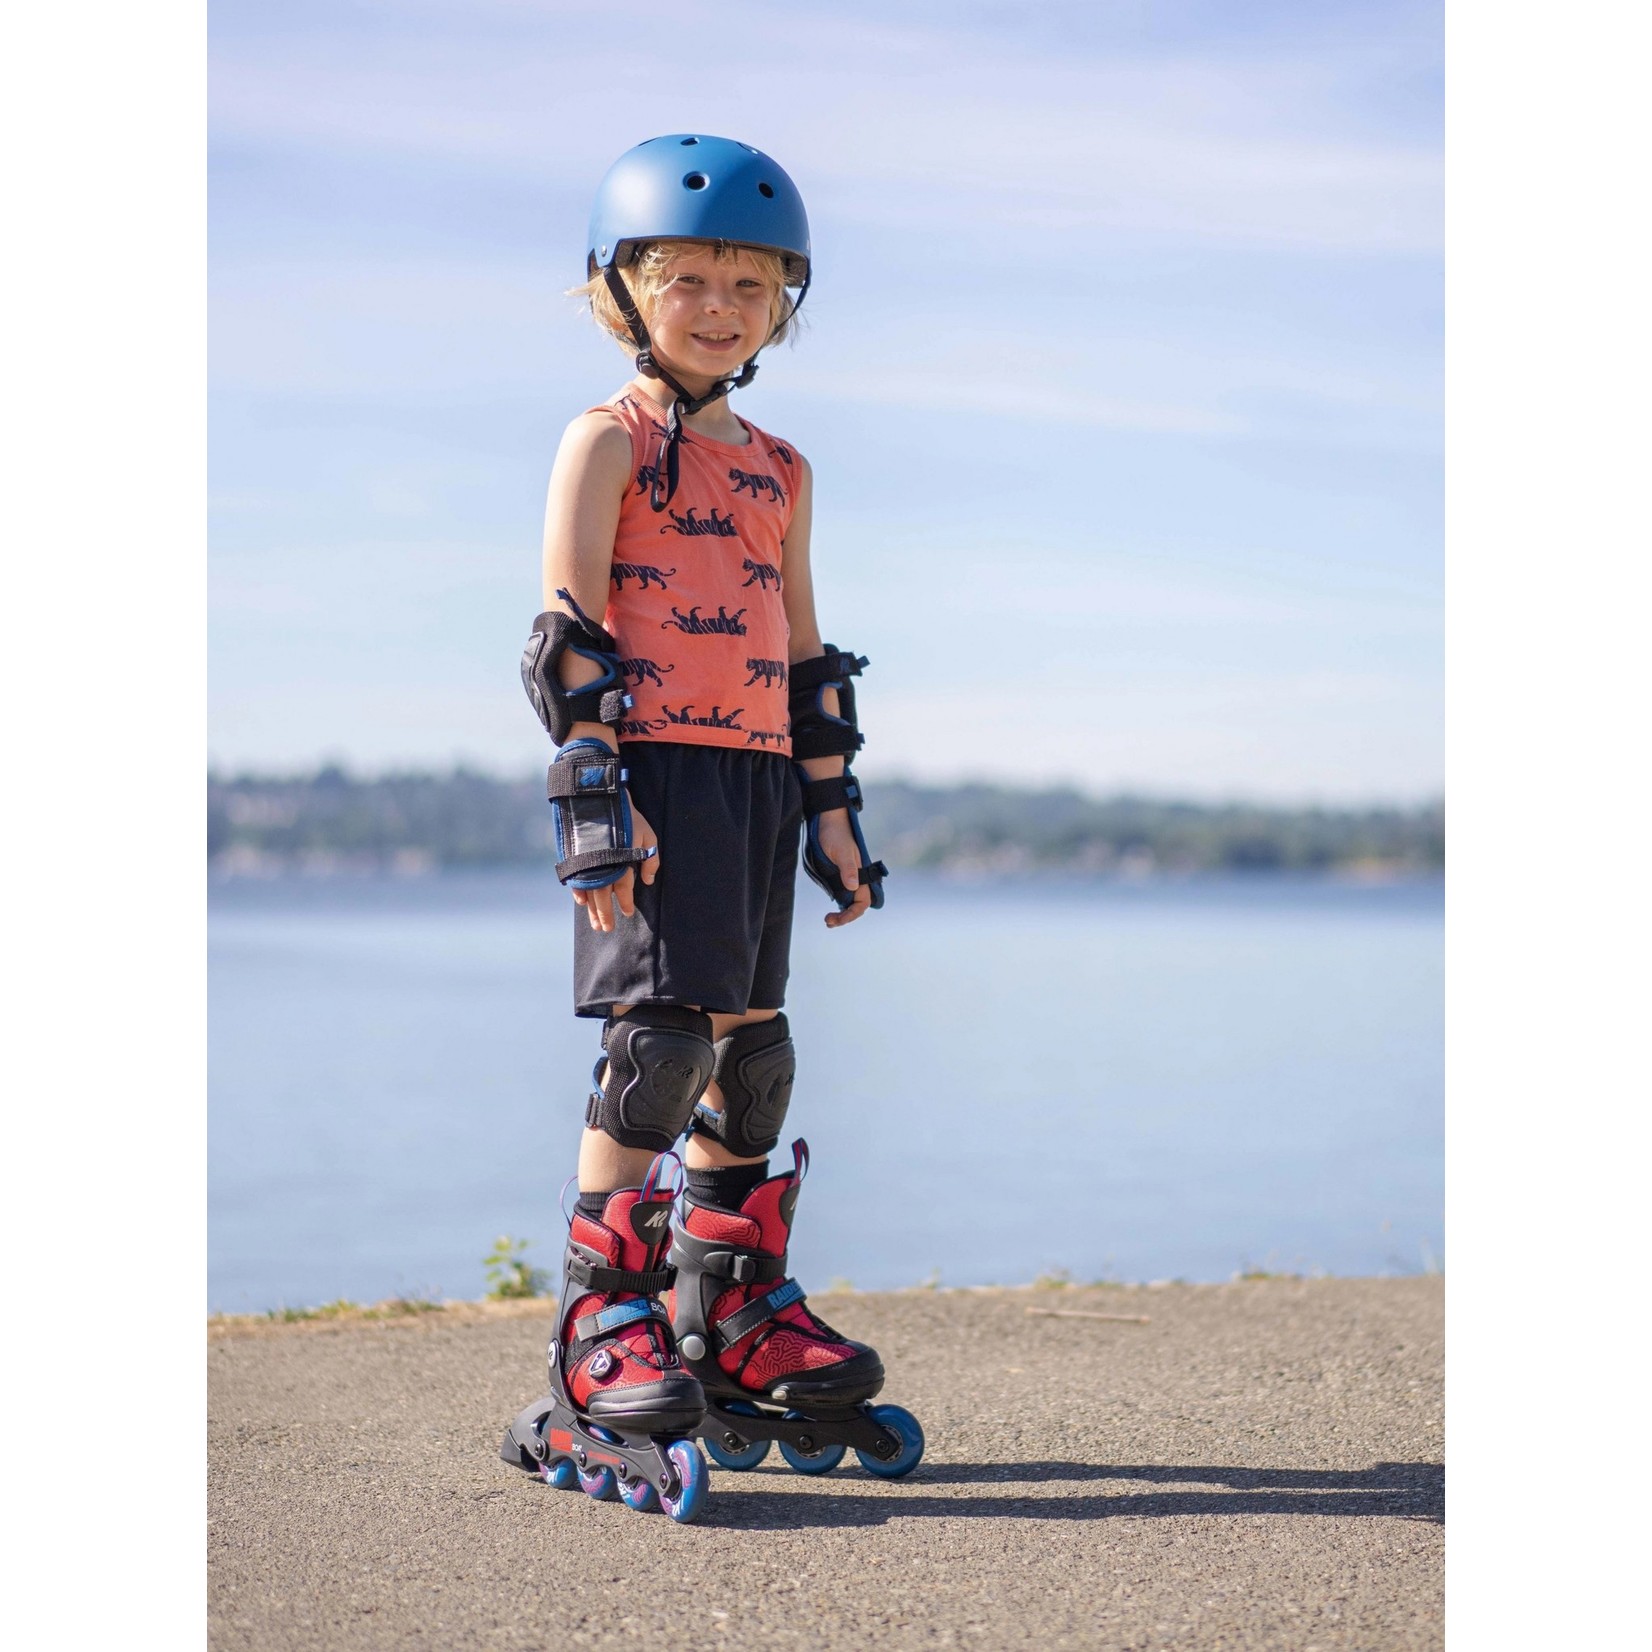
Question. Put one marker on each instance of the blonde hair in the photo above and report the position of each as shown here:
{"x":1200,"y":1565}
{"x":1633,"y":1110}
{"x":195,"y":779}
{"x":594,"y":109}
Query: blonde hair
{"x":650,"y":269}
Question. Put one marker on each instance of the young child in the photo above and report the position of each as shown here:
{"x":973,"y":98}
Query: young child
{"x":704,"y":729}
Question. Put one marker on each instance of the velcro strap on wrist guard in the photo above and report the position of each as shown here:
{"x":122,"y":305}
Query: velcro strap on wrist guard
{"x":593,"y":774}
{"x":745,"y":1320}
{"x":837,"y":791}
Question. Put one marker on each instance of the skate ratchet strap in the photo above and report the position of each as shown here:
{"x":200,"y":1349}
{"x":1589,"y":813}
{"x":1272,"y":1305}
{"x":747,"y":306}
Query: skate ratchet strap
{"x":598,"y":1276}
{"x":744,"y":1267}
{"x":747,"y":1319}
{"x":838,"y":791}
{"x":595,"y":1327}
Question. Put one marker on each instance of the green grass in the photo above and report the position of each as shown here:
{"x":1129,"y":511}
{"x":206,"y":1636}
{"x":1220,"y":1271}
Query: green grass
{"x":509,"y":1276}
{"x":398,"y":1307}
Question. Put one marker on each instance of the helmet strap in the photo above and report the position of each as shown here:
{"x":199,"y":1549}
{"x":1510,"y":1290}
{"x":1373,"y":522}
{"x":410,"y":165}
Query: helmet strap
{"x":666,"y":465}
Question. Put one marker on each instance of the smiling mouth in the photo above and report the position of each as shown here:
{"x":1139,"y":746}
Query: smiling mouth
{"x":714,"y":338}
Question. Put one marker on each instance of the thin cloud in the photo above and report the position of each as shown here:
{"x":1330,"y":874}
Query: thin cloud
{"x":1189,"y":147}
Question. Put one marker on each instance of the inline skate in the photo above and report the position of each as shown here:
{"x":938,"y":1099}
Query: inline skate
{"x":771,"y":1370}
{"x":622,"y":1407}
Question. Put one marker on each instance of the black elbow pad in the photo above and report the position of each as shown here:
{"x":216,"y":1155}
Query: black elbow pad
{"x":602,"y":700}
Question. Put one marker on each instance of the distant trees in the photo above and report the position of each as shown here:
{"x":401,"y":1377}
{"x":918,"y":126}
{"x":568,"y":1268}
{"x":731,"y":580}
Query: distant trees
{"x":416,"y":822}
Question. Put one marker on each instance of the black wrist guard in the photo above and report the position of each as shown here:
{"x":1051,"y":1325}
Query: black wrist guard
{"x":839,"y":791}
{"x":586,"y":787}
{"x":603,"y":700}
{"x":815,"y":731}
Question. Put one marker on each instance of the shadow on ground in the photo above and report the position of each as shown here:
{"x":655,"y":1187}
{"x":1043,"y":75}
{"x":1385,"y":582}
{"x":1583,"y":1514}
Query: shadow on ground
{"x":1393,"y":1491}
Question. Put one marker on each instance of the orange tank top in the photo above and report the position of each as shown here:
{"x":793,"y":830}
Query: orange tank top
{"x":694,"y":590}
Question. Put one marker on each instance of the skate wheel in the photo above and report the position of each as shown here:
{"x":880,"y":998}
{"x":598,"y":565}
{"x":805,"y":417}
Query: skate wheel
{"x":821,"y":1460}
{"x":690,"y":1500}
{"x":639,"y":1494}
{"x":597,"y":1482}
{"x":721,"y":1449}
{"x":912,"y":1443}
{"x":561,"y":1474}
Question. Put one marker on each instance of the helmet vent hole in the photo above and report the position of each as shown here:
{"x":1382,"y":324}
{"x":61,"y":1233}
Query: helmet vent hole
{"x":687,"y":141}
{"x":696,"y":180}
{"x":766,"y":191}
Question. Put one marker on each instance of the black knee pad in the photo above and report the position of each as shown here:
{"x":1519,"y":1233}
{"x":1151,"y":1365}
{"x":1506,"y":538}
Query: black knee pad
{"x":756,"y":1064}
{"x":660,"y":1059}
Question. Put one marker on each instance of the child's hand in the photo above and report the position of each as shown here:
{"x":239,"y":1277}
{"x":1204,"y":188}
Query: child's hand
{"x":837,"y":841}
{"x":599,"y":904}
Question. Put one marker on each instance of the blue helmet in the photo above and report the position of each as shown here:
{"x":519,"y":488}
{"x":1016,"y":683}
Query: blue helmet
{"x":688,"y":187}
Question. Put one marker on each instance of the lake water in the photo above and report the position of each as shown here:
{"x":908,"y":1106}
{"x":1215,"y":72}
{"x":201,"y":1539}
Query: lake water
{"x":1131,"y":1081}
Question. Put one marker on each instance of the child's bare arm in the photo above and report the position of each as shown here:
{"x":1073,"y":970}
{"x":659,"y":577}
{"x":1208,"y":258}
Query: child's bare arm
{"x":836,"y":837}
{"x":582,"y":508}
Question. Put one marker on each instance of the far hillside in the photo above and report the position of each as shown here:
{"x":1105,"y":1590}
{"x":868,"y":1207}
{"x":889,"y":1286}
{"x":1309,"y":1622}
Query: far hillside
{"x":330,"y":820}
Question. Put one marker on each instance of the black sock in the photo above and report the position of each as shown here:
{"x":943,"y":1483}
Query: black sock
{"x":593,"y":1205}
{"x":727,"y":1186}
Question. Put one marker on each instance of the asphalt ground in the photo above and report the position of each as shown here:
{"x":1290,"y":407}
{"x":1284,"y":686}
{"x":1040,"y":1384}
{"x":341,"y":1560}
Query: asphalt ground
{"x":1258,"y":1466}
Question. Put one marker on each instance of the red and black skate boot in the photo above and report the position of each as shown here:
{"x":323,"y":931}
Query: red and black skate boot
{"x":622,"y":1404}
{"x":771,"y":1369}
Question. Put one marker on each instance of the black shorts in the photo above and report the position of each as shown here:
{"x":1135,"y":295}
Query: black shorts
{"x":715,"y":927}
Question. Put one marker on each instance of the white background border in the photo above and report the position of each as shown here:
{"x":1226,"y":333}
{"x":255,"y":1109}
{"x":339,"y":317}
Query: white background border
{"x":1548,"y":442}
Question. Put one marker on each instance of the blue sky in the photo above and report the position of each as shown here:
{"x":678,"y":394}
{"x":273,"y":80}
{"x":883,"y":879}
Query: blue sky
{"x":1122,"y":386}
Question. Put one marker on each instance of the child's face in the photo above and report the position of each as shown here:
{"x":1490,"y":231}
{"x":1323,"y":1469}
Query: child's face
{"x":711,"y":313}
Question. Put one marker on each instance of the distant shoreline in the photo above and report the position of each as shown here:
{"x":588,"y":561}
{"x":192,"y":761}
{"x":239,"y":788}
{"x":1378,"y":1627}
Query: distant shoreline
{"x":331,"y":823}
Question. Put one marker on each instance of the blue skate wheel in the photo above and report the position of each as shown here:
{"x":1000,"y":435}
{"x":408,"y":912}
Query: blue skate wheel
{"x":597,"y":1482}
{"x":725,"y":1455}
{"x":912,"y":1443}
{"x":692,"y":1478}
{"x":561,"y":1474}
{"x":639,"y":1494}
{"x":822,"y":1459}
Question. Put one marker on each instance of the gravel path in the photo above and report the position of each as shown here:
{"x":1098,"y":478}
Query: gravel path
{"x":1257,"y":1467}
